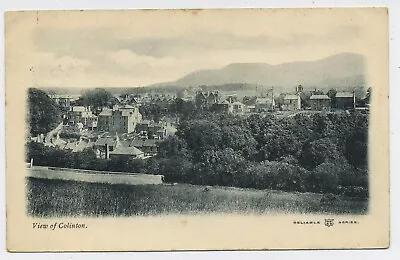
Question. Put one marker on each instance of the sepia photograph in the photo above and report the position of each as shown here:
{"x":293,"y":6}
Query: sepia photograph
{"x":142,"y":116}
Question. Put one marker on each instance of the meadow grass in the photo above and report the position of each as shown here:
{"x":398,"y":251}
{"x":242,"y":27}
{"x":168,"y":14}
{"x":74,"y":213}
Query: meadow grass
{"x":54,"y":198}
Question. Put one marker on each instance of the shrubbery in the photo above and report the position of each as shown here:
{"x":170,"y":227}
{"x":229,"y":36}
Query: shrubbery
{"x":325,"y":153}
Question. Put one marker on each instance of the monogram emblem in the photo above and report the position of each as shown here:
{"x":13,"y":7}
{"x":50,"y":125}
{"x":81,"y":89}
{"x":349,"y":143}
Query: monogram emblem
{"x":329,"y":222}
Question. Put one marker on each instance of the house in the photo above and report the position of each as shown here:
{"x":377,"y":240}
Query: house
{"x":231,"y":98}
{"x":111,"y":147}
{"x":104,"y":119}
{"x":104,"y":145}
{"x":150,"y":147}
{"x":58,"y":142}
{"x":79,"y":114}
{"x":222,"y":107}
{"x":121,"y":119}
{"x":264,"y":104}
{"x":345,"y":100}
{"x":320,"y":102}
{"x":90,"y":121}
{"x":238,"y":107}
{"x":80,"y":145}
{"x":150,"y":129}
{"x":205,"y":100}
{"x":62,"y":100}
{"x":126,"y":152}
{"x":291,"y":102}
{"x":251,"y":109}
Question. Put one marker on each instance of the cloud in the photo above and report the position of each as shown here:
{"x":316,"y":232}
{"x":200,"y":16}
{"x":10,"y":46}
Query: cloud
{"x":89,"y":54}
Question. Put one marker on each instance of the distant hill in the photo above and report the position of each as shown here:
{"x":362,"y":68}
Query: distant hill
{"x":341,"y":70}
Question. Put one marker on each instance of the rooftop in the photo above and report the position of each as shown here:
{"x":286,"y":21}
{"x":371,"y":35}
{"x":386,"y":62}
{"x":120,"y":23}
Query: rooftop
{"x":106,"y":112}
{"x":344,"y":95}
{"x":105,"y":140}
{"x":150,"y":143}
{"x":61,"y":96}
{"x":127,"y":107}
{"x":263,"y":100}
{"x":126,"y":151}
{"x":291,"y":97}
{"x":324,"y":97}
{"x":137,"y":143}
{"x":78,"y":109}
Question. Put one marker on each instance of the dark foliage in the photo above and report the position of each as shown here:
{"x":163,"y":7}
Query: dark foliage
{"x":43,"y":115}
{"x":324,"y":153}
{"x":97,"y":98}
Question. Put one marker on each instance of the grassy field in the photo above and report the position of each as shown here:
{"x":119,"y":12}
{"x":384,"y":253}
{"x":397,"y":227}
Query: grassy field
{"x":50,"y":198}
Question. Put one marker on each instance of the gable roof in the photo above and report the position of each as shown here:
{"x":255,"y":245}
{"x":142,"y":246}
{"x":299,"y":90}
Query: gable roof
{"x":263,"y":100}
{"x":125,"y":143}
{"x":126,"y":151}
{"x":59,"y":142}
{"x":291,"y":97}
{"x":137,"y":143}
{"x":71,"y":145}
{"x":127,"y":113}
{"x":106,"y":112}
{"x":127,"y":107}
{"x":105,"y":140}
{"x":82,"y":145}
{"x":324,"y":97}
{"x":150,"y":143}
{"x":344,"y":95}
{"x":78,"y":109}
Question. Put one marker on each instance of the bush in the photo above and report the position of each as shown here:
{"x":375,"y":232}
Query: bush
{"x":276,"y":175}
{"x":356,"y":191}
{"x":175,"y":169}
{"x":324,"y":178}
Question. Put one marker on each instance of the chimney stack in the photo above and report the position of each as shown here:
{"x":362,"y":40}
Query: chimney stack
{"x":107,"y":155}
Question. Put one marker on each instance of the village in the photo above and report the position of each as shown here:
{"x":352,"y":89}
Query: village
{"x":122,"y":131}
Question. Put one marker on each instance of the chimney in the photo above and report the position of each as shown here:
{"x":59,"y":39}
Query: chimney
{"x":118,"y":143}
{"x":107,"y":155}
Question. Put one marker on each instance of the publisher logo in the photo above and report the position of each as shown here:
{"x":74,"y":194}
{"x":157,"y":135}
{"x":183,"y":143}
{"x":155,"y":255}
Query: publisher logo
{"x":329,"y":222}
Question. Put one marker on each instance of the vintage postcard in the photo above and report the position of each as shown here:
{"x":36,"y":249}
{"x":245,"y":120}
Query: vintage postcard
{"x":235,"y":129}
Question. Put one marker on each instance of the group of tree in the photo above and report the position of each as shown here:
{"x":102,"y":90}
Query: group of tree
{"x":43,"y":113}
{"x":97,"y":99}
{"x":318,"y":153}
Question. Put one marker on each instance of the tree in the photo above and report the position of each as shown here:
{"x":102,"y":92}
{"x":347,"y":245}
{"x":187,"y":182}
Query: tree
{"x":276,"y":175}
{"x":238,"y":138}
{"x":173,"y":146}
{"x":357,"y":147}
{"x":97,"y":98}
{"x":320,"y":151}
{"x":221,"y":167}
{"x":249,"y":100}
{"x":305,"y":99}
{"x":200,"y":136}
{"x":44,"y":114}
{"x":331,"y":93}
{"x":325,"y":178}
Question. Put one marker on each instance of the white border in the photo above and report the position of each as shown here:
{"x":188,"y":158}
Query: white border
{"x":394,"y":17}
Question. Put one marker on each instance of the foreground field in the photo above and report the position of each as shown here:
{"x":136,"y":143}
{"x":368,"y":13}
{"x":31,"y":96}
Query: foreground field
{"x":49,"y":198}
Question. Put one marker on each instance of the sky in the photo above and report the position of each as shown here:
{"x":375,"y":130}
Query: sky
{"x":105,"y":49}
